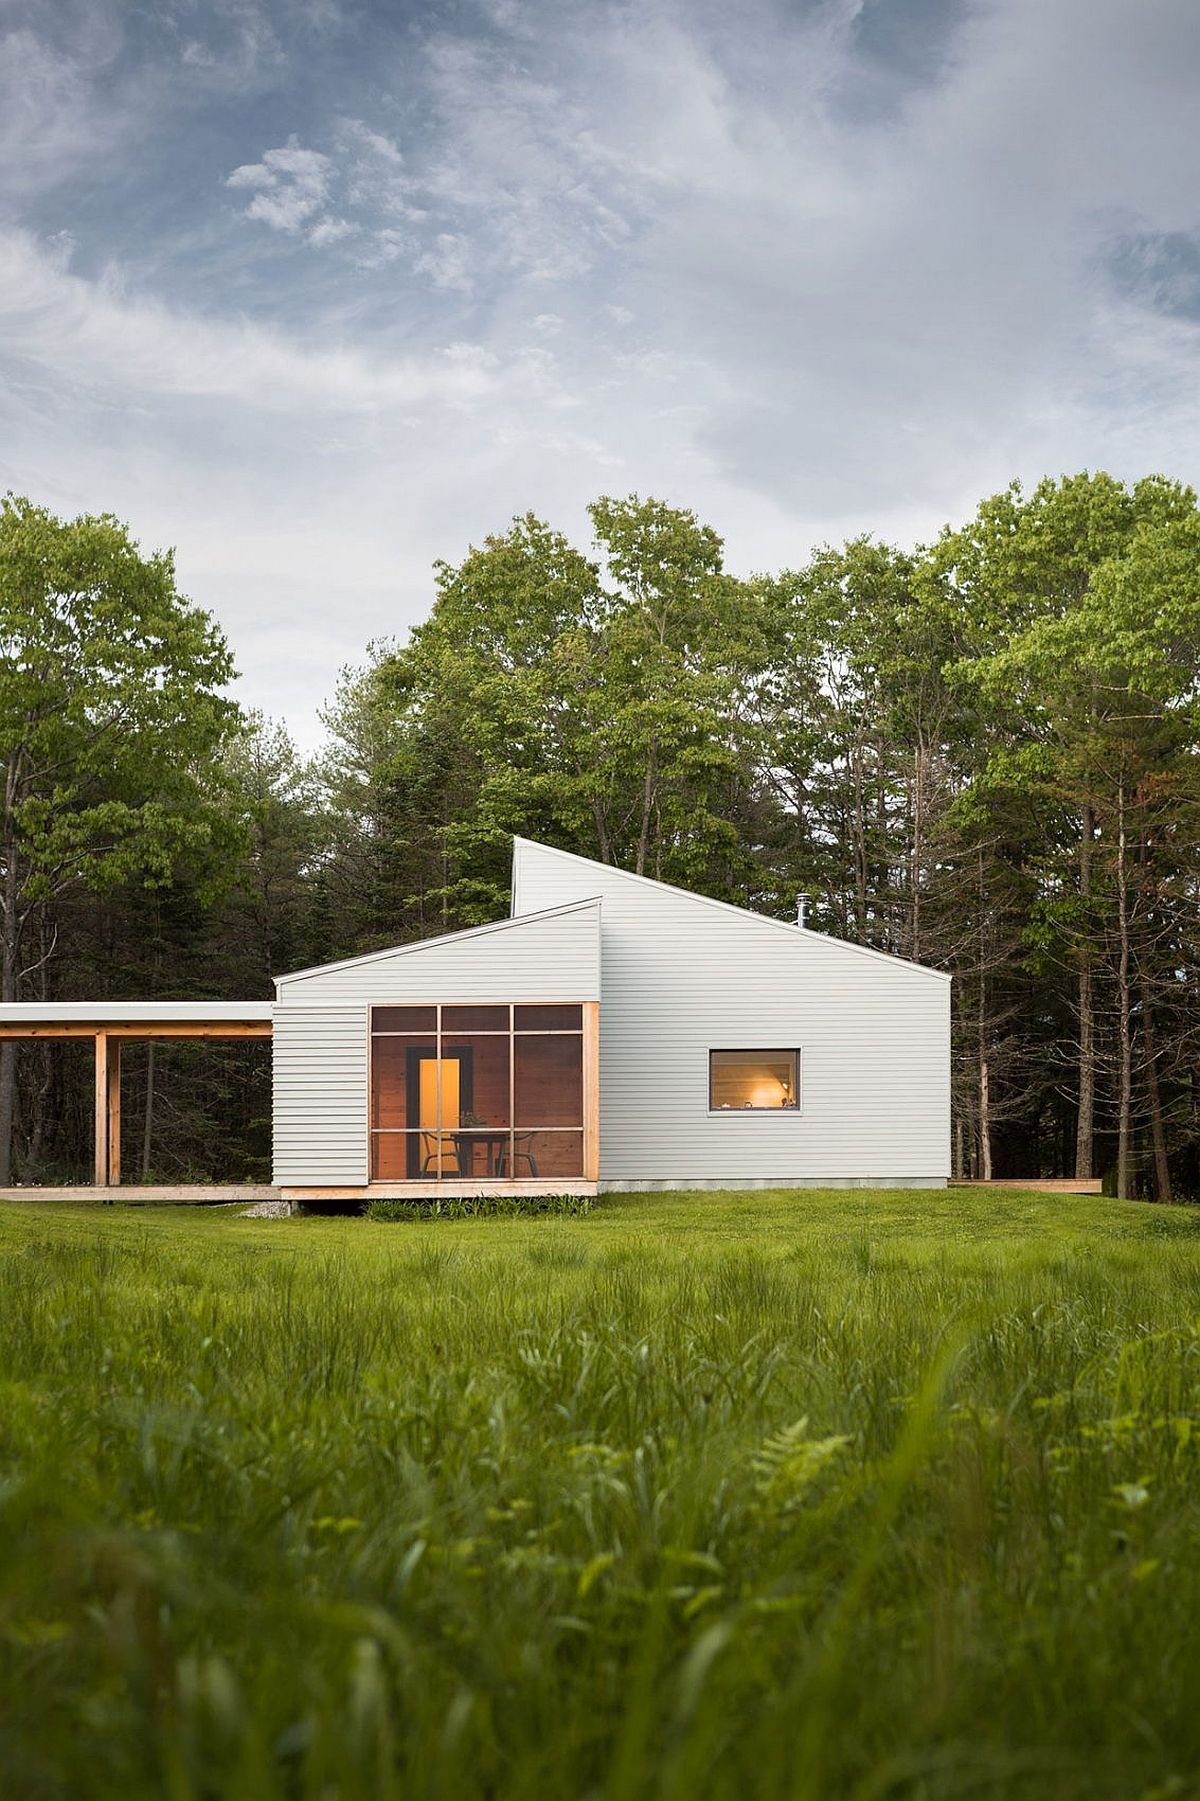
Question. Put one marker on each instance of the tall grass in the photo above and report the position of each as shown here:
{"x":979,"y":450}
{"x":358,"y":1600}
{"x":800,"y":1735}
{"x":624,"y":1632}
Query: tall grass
{"x":701,"y":1496}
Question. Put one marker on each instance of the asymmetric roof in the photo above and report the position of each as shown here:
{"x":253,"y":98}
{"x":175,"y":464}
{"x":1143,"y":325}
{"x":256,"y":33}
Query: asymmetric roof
{"x":797,"y":933}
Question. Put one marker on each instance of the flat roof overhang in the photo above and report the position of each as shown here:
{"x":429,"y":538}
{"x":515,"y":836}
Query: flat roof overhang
{"x":136,"y":1019}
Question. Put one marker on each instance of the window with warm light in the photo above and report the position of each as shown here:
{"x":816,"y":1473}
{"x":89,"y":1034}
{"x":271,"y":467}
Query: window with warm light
{"x":753,"y":1081}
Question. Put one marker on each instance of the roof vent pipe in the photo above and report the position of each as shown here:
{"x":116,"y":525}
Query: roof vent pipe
{"x":801,"y":910}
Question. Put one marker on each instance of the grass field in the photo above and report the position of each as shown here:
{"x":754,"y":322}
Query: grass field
{"x":805,"y":1496}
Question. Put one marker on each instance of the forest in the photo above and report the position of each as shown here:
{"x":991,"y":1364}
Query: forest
{"x":982,"y":753}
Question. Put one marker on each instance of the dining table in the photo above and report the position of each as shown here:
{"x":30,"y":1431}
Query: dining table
{"x":495,"y":1145}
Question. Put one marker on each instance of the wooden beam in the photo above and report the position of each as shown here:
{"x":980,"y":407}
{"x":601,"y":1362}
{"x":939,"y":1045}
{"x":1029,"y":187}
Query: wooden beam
{"x":100,"y":1115}
{"x":114,"y":1112}
{"x":591,"y":1090}
{"x":51,"y":1031}
{"x":249,"y":1028}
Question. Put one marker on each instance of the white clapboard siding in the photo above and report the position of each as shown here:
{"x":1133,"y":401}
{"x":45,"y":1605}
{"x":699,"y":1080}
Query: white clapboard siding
{"x":321,"y":1023}
{"x":683,"y":975}
{"x":319,"y":1059}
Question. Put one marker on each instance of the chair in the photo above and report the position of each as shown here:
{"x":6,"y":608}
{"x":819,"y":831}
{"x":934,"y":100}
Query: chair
{"x":428,"y":1143}
{"x":525,"y":1156}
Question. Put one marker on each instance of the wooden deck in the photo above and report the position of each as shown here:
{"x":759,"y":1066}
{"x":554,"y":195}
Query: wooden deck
{"x":130,"y":1194}
{"x":212,"y":1194}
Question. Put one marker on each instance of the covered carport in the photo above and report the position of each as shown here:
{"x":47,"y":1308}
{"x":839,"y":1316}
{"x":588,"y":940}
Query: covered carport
{"x":112,"y":1024}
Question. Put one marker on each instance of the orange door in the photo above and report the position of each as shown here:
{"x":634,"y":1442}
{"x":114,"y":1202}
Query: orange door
{"x":438,"y":1106}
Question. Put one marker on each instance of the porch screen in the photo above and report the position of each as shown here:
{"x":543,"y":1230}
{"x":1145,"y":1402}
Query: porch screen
{"x":476,"y":1093}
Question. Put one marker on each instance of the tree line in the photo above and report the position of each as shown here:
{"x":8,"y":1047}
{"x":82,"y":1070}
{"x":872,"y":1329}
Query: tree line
{"x":983,"y":754}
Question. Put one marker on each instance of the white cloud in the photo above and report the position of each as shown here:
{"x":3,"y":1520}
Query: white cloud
{"x":330,"y":231}
{"x":356,"y":133}
{"x":106,"y":340}
{"x":758,"y":261}
{"x":236,"y":48}
{"x":447,"y":262}
{"x":51,"y":120}
{"x":289,"y":186}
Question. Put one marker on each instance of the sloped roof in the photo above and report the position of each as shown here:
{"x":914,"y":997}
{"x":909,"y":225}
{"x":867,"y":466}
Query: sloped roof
{"x":796,"y":933}
{"x":424,"y":944}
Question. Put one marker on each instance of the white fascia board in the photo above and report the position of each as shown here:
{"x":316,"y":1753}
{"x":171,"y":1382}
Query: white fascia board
{"x":135,"y":1012}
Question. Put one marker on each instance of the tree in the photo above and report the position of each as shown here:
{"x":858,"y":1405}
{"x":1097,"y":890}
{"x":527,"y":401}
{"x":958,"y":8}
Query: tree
{"x":1101,"y":693}
{"x":111,"y":718}
{"x":275,"y":793}
{"x":1023,"y":571}
{"x":670,"y":737}
{"x":594,"y":701}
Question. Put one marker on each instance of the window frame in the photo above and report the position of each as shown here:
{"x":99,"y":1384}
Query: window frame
{"x":795,"y":1111}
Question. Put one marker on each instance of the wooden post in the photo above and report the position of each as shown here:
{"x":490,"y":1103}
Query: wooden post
{"x":591,"y":1091}
{"x":101,"y":1110}
{"x":114,"y":1112}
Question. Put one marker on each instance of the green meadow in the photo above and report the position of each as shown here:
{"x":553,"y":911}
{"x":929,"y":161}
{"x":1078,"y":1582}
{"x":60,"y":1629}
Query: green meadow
{"x":807,"y":1495}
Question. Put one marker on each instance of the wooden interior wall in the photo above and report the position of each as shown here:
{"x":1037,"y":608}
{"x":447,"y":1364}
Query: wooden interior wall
{"x":548,"y":1073}
{"x":548,"y":1081}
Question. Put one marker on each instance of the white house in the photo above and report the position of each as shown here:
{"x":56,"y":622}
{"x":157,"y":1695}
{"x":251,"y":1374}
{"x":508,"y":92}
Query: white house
{"x":613,"y":1033}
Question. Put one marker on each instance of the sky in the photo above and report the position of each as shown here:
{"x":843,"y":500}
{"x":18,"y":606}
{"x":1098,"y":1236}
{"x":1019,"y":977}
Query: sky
{"x":320,"y":291}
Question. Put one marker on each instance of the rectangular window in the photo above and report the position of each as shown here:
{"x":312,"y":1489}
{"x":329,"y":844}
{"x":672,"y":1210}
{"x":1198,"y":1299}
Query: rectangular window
{"x":472,"y":1093}
{"x":753,"y":1081}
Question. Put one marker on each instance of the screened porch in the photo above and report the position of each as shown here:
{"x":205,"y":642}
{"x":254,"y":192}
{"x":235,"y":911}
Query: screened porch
{"x":496,"y":1093}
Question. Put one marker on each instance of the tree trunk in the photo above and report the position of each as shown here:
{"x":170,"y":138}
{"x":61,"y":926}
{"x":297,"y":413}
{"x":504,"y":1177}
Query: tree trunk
{"x":916,"y":854}
{"x":8,"y":1102}
{"x":148,"y":1114}
{"x":858,"y":828}
{"x":1124,"y":1033}
{"x":36,"y":1134}
{"x":985,"y":1098}
{"x":981,"y":1032}
{"x":1158,"y":1135}
{"x":1086,"y":1121}
{"x":649,"y":793}
{"x":985,"y":1123}
{"x":601,"y":832}
{"x":10,"y":931}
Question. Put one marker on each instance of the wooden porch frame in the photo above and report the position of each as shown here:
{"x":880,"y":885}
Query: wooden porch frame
{"x":591,"y":1091}
{"x":108,"y":1038}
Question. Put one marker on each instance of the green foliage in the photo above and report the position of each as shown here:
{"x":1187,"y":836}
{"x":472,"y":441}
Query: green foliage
{"x":113,"y":721}
{"x":478,"y":1206}
{"x":110,"y":708}
{"x":593,"y":702}
{"x":705,"y":1497}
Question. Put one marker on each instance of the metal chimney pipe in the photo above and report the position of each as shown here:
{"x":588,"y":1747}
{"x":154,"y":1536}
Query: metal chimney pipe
{"x":801,"y":910}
